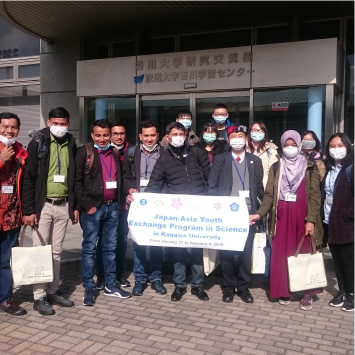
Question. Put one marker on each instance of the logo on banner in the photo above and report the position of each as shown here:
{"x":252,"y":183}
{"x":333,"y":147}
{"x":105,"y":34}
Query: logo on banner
{"x":159,"y":203}
{"x":279,"y":106}
{"x":143,"y":202}
{"x":217,"y":206}
{"x":234,"y":207}
{"x":138,"y":79}
{"x":176,"y":203}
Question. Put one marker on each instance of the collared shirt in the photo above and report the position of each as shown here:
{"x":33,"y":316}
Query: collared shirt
{"x":147,"y":163}
{"x":329,"y":190}
{"x":108,"y":167}
{"x":241,"y":157}
{"x":59,"y":152}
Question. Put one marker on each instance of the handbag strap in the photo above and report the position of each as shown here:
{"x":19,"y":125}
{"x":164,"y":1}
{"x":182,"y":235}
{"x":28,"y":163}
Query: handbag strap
{"x":22,"y":235}
{"x":312,"y":244}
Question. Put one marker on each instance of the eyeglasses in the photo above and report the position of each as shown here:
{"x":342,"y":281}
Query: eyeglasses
{"x":257,"y":131}
{"x":220,"y":114}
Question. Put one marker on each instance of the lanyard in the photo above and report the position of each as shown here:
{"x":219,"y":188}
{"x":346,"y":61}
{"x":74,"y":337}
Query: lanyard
{"x":245,"y":169}
{"x":103,"y":161}
{"x":58,"y":159}
{"x":146,"y":166}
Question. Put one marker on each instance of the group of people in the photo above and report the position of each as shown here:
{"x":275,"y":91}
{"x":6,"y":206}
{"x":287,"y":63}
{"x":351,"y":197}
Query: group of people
{"x":303,"y":191}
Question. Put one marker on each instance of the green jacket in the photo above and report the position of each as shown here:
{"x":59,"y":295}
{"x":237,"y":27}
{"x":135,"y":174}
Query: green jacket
{"x":271,"y":197}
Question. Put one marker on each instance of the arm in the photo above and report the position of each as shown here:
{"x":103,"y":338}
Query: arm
{"x":157,"y":178}
{"x":259,"y":172}
{"x":314,"y":197}
{"x":348,"y":211}
{"x":205,"y":164}
{"x":127,"y":178}
{"x":213,"y":179}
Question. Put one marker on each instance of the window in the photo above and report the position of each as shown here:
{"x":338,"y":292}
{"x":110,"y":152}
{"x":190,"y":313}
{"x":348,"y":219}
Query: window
{"x":28,"y":71}
{"x":158,"y":45}
{"x":320,"y":30}
{"x":102,"y":51}
{"x":275,"y":34}
{"x":215,"y":40}
{"x":123,"y":49}
{"x":6,"y":73}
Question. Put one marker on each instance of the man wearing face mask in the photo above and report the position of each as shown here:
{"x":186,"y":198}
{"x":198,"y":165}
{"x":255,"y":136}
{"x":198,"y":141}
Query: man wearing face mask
{"x":237,"y":173}
{"x":48,"y":198}
{"x":184,"y":170}
{"x":138,"y":164}
{"x":185,"y":118}
{"x":12,"y":159}
{"x":220,"y":117}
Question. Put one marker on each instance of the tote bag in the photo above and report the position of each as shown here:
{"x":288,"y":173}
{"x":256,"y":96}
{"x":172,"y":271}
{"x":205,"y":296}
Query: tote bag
{"x":306,"y":271}
{"x":258,"y":257}
{"x":210,"y":260}
{"x":31,"y":265}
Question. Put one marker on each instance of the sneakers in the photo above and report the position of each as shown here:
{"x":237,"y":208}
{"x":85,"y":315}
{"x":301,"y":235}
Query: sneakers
{"x":12,"y":308}
{"x":89,"y":297}
{"x":122,"y":281}
{"x":59,"y":299}
{"x":306,"y":302}
{"x":348,"y":305}
{"x":338,"y":300}
{"x":42,"y":306}
{"x":138,"y":288}
{"x":285,"y":300}
{"x":100,"y":283}
{"x":116,"y":292}
{"x":158,"y":287}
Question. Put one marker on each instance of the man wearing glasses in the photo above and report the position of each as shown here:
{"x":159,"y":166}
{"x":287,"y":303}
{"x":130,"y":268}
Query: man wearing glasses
{"x":237,"y":173}
{"x":220,"y":118}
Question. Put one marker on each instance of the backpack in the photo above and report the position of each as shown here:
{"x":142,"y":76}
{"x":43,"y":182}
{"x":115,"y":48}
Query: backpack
{"x":89,"y":161}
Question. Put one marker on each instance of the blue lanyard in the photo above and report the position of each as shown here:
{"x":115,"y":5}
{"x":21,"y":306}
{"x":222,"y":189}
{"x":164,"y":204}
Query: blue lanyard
{"x":58,"y":159}
{"x":245,"y":169}
{"x":103,"y":161}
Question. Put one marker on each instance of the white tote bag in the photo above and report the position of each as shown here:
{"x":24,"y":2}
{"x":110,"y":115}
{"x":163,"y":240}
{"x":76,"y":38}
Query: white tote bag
{"x":210,"y":260}
{"x":306,"y":271}
{"x":258,"y":260}
{"x":31,"y":265}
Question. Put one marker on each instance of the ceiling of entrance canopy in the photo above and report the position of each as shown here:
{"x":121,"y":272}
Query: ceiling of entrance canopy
{"x":54,"y":20}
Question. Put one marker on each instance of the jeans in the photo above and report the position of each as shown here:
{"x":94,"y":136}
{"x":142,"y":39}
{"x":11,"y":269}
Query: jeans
{"x":156,"y":263}
{"x":179,"y":260}
{"x":8,"y":240}
{"x":104,"y":223}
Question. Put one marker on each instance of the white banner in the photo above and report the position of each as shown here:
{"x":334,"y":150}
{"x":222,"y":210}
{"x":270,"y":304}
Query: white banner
{"x":189,"y":221}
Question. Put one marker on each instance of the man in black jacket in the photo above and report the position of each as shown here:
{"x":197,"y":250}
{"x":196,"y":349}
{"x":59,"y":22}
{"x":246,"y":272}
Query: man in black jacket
{"x":97,"y":190}
{"x":48,"y":197}
{"x":138,"y":164}
{"x":184,"y":169}
{"x":237,"y":173}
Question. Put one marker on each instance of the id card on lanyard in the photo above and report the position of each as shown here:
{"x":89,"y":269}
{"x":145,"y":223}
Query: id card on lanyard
{"x":7,"y":188}
{"x":58,"y":177}
{"x":242,"y":193}
{"x":110,"y":184}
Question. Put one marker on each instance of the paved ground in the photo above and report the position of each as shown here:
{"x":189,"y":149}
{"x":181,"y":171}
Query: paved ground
{"x":152,"y":324}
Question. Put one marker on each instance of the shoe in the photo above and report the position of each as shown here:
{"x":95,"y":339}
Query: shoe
{"x":306,"y":302}
{"x":338,"y":300}
{"x":285,"y":300}
{"x":246,"y":296}
{"x":43,"y":306}
{"x":59,"y":299}
{"x":228,"y":295}
{"x":122,"y":281}
{"x":138,"y":288}
{"x":158,"y":287}
{"x":348,"y":305}
{"x":100,"y":283}
{"x":116,"y":292}
{"x":89,"y":297}
{"x":178,"y":293}
{"x":200,"y":293}
{"x":12,"y":308}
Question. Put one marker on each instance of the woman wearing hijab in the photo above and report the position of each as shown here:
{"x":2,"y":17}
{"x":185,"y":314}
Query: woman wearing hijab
{"x":292,"y":196}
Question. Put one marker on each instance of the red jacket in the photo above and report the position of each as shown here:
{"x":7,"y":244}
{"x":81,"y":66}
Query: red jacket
{"x":12,"y":218}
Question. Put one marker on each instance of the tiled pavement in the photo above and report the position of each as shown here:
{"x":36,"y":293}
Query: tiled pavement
{"x":152,"y":324}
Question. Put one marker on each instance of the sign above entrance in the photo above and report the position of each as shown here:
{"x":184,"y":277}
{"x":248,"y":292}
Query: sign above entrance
{"x":226,"y":68}
{"x":279,"y":106}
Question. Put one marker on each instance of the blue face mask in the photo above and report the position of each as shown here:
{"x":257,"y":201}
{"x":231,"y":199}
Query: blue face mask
{"x":220,"y":119}
{"x":209,"y":138}
{"x":104,"y":148}
{"x":185,"y":122}
{"x":257,"y":136}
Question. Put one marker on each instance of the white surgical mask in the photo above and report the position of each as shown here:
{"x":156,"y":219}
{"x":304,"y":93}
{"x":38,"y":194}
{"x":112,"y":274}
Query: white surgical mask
{"x":119,"y":147}
{"x":58,"y":131}
{"x":177,"y":141}
{"x":7,"y":141}
{"x":237,"y":143}
{"x":185,"y":122}
{"x":149,"y":149}
{"x":308,"y":144}
{"x":338,"y":153}
{"x":220,"y":119}
{"x":290,"y":152}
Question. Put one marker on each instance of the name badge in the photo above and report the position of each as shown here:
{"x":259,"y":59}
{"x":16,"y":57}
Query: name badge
{"x":144,"y":182}
{"x":330,"y":200}
{"x":290,"y":197}
{"x":244,"y":193}
{"x":7,"y":189}
{"x":111,"y":185}
{"x":59,"y":178}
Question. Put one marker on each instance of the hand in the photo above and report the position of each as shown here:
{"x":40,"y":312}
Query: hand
{"x":30,"y":220}
{"x":92,"y":210}
{"x":129,"y":197}
{"x":76,"y":217}
{"x":309,"y":229}
{"x":7,"y":153}
{"x":253,"y":218}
